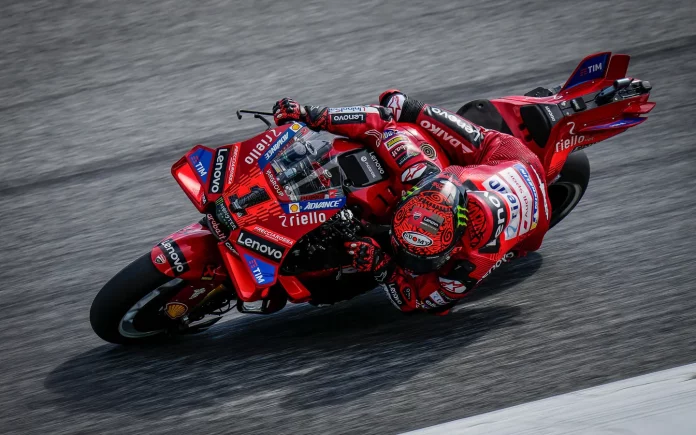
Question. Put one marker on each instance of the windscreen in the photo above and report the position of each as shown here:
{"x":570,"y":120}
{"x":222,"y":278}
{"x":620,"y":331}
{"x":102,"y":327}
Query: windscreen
{"x":306,"y":168}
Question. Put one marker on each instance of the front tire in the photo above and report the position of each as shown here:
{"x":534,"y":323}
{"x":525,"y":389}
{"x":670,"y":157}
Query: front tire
{"x":570,"y":187}
{"x":135,"y":286}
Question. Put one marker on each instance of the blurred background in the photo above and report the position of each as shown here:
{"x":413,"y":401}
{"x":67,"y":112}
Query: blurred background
{"x":98,"y":99}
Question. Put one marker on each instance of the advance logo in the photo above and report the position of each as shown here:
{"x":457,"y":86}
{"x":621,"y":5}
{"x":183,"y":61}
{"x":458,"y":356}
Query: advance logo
{"x":317,"y":204}
{"x":261,"y":246}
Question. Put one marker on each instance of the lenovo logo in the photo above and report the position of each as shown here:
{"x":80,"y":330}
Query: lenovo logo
{"x":219,"y":170}
{"x":261,"y":246}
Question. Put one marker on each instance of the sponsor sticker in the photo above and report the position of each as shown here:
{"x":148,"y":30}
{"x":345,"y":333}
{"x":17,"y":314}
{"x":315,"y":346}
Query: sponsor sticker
{"x":495,"y":183}
{"x":278,"y":144}
{"x":273,"y":235}
{"x":528,"y":180}
{"x":197,"y":292}
{"x":542,"y":187}
{"x":209,"y":272}
{"x":524,"y":196}
{"x":497,"y":264}
{"x":393,"y":295}
{"x":261,"y":246}
{"x":273,"y":181}
{"x":260,"y":147}
{"x":590,"y":69}
{"x":416,"y":239}
{"x":219,"y":169}
{"x":175,"y":309}
{"x":175,"y":257}
{"x":229,"y":246}
{"x":456,"y":124}
{"x":437,"y":298}
{"x":201,"y":163}
{"x":224,"y":215}
{"x":301,"y":219}
{"x":376,"y":162}
{"x":262,"y":272}
{"x":452,"y":286}
{"x":429,"y":151}
{"x":220,"y":232}
{"x":393,"y":141}
{"x":396,"y":103}
{"x":389,"y":133}
{"x":499,"y":213}
{"x":414,"y":172}
{"x":406,"y":156}
{"x":444,"y":135}
{"x":348,"y":109}
{"x":348,"y":118}
{"x":233,"y":164}
{"x":319,"y":204}
{"x":426,"y":220}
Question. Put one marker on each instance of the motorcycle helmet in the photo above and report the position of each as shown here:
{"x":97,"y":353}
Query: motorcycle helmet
{"x":428,"y":222}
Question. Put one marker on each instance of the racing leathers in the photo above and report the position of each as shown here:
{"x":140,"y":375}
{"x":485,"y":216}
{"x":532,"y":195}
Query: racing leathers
{"x":507,"y":198}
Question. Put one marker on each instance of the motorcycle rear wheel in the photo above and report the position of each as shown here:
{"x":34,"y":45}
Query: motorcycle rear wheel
{"x":568,"y":190}
{"x":127,"y":309}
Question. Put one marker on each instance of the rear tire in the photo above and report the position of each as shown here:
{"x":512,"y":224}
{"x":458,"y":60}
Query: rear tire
{"x":569,"y":189}
{"x":120,"y":295}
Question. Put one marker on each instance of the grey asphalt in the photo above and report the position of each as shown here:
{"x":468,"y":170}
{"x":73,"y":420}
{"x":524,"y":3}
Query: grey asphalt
{"x":98,"y":99}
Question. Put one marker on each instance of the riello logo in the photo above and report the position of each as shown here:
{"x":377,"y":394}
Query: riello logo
{"x":563,"y":145}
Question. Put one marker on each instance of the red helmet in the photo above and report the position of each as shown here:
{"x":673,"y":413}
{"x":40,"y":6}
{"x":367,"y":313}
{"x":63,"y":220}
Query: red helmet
{"x":428,"y":222}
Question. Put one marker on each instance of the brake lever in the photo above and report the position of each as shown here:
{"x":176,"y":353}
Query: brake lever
{"x":257,"y":115}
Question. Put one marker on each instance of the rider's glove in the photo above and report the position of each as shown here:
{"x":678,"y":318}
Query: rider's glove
{"x":287,"y":110}
{"x":367,"y":256}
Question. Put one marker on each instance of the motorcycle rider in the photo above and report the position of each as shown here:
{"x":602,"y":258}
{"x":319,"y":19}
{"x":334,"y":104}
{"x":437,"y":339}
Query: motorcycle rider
{"x":455,"y":225}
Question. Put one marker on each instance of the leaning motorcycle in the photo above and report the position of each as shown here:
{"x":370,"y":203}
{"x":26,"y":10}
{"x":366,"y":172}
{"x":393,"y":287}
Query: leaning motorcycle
{"x":278,"y":207}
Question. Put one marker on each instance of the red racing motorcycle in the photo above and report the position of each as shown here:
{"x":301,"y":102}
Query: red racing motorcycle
{"x":279,"y":206}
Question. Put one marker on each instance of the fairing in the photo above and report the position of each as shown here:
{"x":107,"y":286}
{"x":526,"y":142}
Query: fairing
{"x":573,"y":118}
{"x":190,"y":254}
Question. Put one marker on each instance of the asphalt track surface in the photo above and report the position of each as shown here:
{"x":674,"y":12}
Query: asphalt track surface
{"x":97,"y":99}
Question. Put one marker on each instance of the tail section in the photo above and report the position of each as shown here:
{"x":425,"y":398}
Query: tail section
{"x":597,"y":102}
{"x":593,"y":67}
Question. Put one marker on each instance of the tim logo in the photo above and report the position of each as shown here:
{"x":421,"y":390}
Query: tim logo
{"x":591,"y":69}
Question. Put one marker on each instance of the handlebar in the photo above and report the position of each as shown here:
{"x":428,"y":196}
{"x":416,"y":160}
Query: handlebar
{"x":257,"y":115}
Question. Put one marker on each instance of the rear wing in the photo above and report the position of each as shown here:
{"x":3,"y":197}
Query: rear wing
{"x":597,"y":67}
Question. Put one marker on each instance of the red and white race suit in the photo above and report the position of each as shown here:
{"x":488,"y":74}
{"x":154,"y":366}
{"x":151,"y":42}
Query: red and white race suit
{"x":507,"y":180}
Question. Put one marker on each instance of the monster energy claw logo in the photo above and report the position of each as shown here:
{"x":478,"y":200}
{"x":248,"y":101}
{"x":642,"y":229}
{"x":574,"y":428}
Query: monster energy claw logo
{"x":462,"y":216}
{"x":410,"y":192}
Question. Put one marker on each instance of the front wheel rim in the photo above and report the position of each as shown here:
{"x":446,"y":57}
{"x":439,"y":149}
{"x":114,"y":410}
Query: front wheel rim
{"x":126,"y":326}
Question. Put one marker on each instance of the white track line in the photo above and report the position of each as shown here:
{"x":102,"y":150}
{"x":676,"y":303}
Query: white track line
{"x":654,"y":404}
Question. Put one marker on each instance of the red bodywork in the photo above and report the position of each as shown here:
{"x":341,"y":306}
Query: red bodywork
{"x":578,"y":129}
{"x":233,"y":171}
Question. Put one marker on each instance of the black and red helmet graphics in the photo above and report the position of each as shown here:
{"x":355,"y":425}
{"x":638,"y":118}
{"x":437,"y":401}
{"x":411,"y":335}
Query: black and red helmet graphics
{"x":428,"y":223}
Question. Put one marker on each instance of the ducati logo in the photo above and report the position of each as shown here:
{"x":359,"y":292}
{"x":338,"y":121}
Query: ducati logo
{"x":160,"y":259}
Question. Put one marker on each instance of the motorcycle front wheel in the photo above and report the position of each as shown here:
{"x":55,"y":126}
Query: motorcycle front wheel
{"x":129,"y":308}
